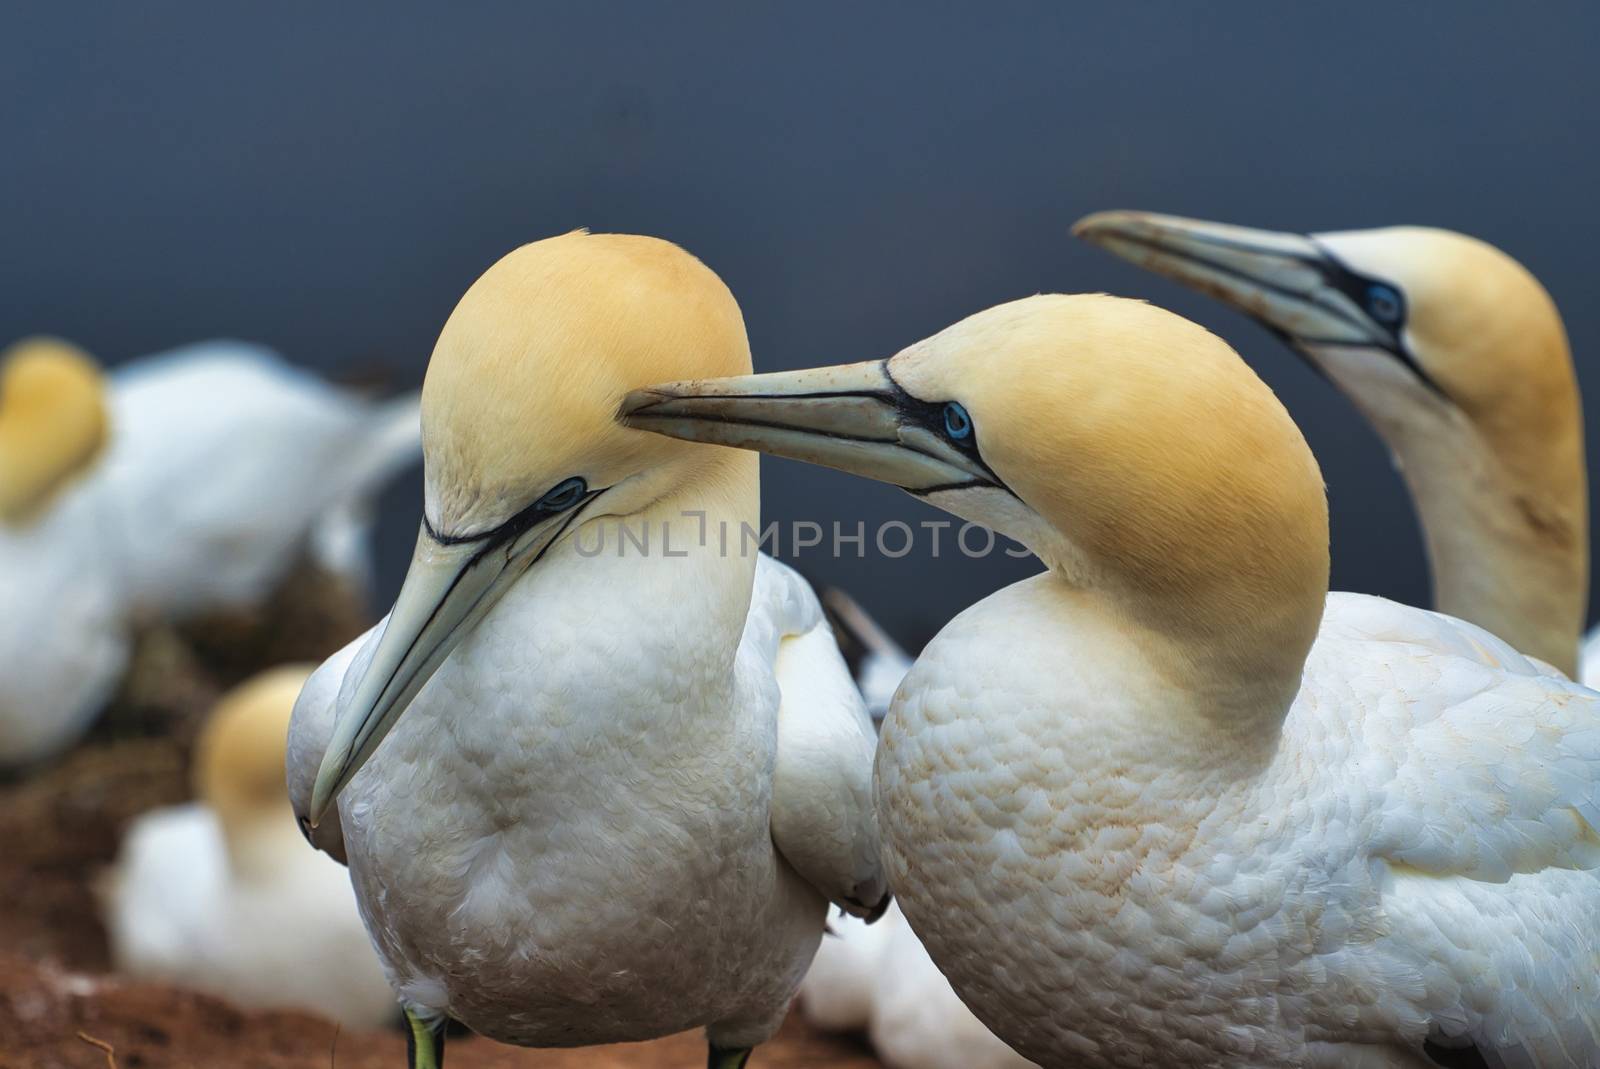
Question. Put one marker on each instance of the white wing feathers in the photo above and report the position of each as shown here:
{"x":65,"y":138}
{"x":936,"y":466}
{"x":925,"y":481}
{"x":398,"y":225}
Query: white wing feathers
{"x":822,"y":816}
{"x":1473,"y":778}
{"x":1495,"y":760}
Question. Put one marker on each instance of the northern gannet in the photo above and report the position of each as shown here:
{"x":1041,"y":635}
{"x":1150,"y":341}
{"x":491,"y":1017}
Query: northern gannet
{"x":616,"y":785}
{"x":63,"y":634}
{"x":175,"y":485}
{"x":221,"y":895}
{"x":877,"y":978}
{"x":1171,"y":802}
{"x":1458,"y":358}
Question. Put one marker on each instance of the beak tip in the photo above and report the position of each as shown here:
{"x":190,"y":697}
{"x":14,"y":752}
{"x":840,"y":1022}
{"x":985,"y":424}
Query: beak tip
{"x":318,"y":807}
{"x":326,"y":788}
{"x":1099,"y":227}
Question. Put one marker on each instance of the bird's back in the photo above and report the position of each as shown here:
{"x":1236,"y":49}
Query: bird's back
{"x":1464,"y":779}
{"x":223,"y":461}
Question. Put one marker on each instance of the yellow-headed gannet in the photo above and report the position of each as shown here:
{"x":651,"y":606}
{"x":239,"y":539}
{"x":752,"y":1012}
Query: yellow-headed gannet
{"x":220,"y":467}
{"x":63,"y":633}
{"x":623,"y":766}
{"x":221,"y":895}
{"x":1458,"y":358}
{"x":1171,"y":802}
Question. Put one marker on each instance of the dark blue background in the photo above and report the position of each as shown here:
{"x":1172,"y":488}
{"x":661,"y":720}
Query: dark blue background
{"x":328,"y":180}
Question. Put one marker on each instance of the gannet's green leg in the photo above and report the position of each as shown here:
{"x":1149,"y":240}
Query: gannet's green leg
{"x":424,"y":1045}
{"x":727,"y":1057}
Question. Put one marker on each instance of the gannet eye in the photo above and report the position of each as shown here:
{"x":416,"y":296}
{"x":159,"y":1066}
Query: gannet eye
{"x":566,"y":494}
{"x":1383,"y":303}
{"x":957,"y":424}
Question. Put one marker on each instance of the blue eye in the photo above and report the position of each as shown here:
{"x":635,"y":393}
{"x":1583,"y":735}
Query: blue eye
{"x":957,"y":424}
{"x":1383,"y":303}
{"x":564,"y":496}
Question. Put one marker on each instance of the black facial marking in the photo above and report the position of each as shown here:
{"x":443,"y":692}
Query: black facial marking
{"x":931,"y":415}
{"x":1383,"y":304}
{"x":564,"y":495}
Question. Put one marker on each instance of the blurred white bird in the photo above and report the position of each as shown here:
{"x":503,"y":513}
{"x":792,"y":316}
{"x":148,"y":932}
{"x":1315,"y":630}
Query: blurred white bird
{"x":1458,"y":358}
{"x":222,"y":896}
{"x":1171,"y":802}
{"x":591,"y":793}
{"x":878,"y":977}
{"x":221,"y":465}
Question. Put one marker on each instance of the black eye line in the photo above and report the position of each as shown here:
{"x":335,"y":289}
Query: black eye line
{"x":1356,"y":286}
{"x":1334,"y":273}
{"x":513,"y":527}
{"x":930,"y":414}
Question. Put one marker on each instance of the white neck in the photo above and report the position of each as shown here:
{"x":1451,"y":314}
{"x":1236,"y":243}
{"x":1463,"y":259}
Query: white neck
{"x":1506,"y":549}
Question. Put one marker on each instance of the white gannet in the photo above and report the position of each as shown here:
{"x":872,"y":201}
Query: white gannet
{"x":221,"y":466}
{"x":63,"y":633}
{"x":1458,"y":358}
{"x":878,"y":977}
{"x":617,"y":783}
{"x":1171,"y":802}
{"x":221,"y":895}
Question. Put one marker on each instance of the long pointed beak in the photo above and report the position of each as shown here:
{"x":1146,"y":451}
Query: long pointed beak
{"x":1291,"y":283}
{"x":1281,"y":279}
{"x":853,"y":417}
{"x":449,"y":587}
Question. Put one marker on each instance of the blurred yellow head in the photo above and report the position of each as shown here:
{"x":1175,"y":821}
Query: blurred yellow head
{"x":239,"y":756}
{"x":52,"y":422}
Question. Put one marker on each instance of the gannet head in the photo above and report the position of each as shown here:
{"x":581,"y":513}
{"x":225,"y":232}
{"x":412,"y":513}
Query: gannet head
{"x":1130,"y":449}
{"x":1457,"y":356}
{"x":52,"y":422}
{"x":521,"y":442}
{"x":1415,"y":324}
{"x":239,"y":756}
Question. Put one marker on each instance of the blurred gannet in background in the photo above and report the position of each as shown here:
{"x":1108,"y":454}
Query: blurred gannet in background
{"x":221,"y":467}
{"x":1171,"y":802}
{"x":878,"y":978}
{"x":617,"y":786}
{"x":878,"y":663}
{"x":221,"y":895}
{"x":271,"y":462}
{"x":1458,"y":357}
{"x":63,"y":633}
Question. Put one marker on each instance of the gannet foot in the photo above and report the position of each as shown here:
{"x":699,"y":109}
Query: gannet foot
{"x":727,"y":1057}
{"x":424,"y":1043}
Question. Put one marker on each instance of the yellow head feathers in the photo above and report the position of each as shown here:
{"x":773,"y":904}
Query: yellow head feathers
{"x":1173,"y":474}
{"x":525,"y":382}
{"x":1477,"y":322}
{"x":52,"y":422}
{"x":239,"y":757}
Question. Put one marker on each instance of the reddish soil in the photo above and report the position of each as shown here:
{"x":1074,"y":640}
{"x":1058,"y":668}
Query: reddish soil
{"x":54,"y":1019}
{"x":59,"y":1006}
